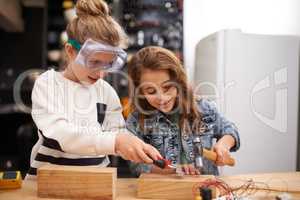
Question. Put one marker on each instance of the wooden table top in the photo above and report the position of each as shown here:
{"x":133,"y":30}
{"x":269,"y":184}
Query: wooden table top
{"x":126,"y":190}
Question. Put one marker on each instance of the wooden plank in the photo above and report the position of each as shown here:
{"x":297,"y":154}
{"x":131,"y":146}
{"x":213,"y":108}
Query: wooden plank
{"x":158,"y":186}
{"x":76,"y":182}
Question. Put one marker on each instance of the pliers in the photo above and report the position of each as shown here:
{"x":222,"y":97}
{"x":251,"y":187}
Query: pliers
{"x":164,"y":164}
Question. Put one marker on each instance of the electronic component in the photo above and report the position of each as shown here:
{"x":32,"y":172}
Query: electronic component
{"x":10,"y":179}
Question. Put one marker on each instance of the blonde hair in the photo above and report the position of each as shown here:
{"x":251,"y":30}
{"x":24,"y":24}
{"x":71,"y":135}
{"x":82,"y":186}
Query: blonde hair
{"x":94,"y":21}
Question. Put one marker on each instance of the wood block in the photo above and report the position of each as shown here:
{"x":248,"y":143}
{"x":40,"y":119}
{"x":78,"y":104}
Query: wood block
{"x":76,"y":182}
{"x":158,"y":186}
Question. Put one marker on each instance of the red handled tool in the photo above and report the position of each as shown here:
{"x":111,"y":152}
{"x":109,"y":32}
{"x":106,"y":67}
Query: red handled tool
{"x":164,"y":164}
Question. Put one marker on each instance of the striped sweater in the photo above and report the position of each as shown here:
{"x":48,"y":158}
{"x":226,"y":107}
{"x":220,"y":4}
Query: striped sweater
{"x":77,"y":124}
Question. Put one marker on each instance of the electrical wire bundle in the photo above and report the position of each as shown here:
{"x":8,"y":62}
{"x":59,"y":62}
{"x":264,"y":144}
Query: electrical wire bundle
{"x":248,"y":188}
{"x":222,"y":187}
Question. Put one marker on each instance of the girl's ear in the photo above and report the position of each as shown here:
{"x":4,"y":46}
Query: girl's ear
{"x":70,"y":51}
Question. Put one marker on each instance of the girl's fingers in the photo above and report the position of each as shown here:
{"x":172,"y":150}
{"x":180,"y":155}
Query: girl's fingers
{"x":152,"y":152}
{"x":132,"y":154}
{"x":219,"y":156}
{"x":192,"y":169}
{"x":197,"y":172}
{"x":135,"y":158}
{"x":220,"y":159}
{"x":186,"y":169}
{"x":226,"y":156}
{"x":144,"y":157}
{"x":222,"y":156}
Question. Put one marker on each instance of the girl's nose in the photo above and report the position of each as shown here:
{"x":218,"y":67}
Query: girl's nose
{"x":164,"y":98}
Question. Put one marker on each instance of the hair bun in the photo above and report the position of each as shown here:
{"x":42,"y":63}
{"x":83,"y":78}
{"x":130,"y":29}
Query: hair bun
{"x":86,"y":8}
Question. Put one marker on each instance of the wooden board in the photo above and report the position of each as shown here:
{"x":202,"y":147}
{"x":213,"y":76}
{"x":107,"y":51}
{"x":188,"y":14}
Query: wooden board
{"x":157,"y":186}
{"x":76,"y":182}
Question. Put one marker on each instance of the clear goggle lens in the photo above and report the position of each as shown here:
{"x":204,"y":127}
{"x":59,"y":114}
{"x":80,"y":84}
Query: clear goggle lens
{"x":95,"y":55}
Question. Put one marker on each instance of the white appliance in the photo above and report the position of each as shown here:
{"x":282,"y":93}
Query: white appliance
{"x":254,"y":80}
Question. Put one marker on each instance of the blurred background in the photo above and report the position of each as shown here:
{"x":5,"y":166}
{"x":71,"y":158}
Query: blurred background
{"x":243,"y":54}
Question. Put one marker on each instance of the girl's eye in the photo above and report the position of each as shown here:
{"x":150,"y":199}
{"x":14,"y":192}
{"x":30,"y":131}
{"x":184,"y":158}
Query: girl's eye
{"x":98,"y":63}
{"x":150,"y":91}
{"x":168,"y":87}
{"x":94,"y":62}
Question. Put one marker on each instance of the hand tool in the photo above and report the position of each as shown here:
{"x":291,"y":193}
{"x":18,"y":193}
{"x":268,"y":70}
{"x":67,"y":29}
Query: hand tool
{"x":164,"y":164}
{"x":200,"y":152}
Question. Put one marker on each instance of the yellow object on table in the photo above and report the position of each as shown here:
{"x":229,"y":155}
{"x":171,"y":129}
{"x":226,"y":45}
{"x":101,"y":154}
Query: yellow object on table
{"x":10,"y":180}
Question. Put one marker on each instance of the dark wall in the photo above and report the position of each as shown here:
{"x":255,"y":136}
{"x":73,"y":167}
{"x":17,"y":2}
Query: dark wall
{"x":22,"y":51}
{"x":18,"y":53}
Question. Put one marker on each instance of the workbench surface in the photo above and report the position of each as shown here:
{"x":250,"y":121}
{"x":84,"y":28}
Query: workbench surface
{"x":127,"y":188}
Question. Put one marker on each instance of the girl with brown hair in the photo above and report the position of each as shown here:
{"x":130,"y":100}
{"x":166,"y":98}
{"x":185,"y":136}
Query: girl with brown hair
{"x":78,"y":114}
{"x":168,"y":116}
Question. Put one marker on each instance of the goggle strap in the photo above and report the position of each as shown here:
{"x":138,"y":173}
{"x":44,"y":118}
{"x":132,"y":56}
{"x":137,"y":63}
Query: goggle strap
{"x":75,"y":44}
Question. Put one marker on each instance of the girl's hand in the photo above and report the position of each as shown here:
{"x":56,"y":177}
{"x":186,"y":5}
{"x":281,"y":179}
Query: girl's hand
{"x":189,"y":169}
{"x":132,"y":148}
{"x":222,"y":148}
{"x":223,"y":153}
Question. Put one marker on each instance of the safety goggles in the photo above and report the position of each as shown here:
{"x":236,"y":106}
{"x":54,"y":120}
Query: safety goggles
{"x":96,"y":55}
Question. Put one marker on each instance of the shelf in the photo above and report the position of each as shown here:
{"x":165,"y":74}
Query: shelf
{"x":11,"y":16}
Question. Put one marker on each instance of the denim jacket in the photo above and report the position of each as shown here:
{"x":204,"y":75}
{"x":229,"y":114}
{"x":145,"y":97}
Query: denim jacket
{"x":165,"y":135}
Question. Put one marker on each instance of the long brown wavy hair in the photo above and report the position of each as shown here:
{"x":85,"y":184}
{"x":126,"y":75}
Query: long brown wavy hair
{"x":157,"y":58}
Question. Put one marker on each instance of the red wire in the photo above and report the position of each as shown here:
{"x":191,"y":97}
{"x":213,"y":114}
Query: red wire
{"x":222,"y":186}
{"x":248,"y":187}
